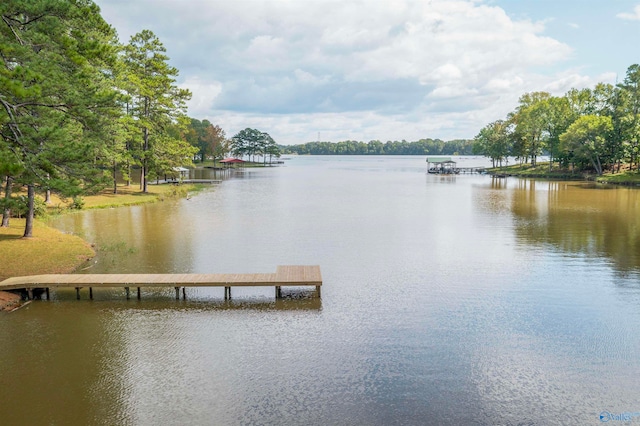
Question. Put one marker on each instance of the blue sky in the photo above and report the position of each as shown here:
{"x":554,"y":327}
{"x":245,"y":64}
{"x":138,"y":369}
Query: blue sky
{"x":387,"y":70}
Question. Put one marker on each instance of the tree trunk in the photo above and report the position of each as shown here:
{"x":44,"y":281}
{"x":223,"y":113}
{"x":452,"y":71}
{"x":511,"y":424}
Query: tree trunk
{"x":596,"y":165}
{"x":28,"y":226}
{"x":145,"y":149}
{"x":115,"y":181}
{"x":47,"y":194}
{"x":6,"y":213}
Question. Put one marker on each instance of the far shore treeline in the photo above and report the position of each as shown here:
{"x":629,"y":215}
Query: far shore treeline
{"x":375,"y":147}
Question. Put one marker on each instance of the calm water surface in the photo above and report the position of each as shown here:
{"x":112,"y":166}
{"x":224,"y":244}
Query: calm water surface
{"x":446,"y":300}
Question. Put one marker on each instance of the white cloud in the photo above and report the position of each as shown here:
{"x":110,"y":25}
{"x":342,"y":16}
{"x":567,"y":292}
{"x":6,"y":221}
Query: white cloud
{"x":413,"y":68}
{"x":634,"y":16}
{"x":203,"y":95}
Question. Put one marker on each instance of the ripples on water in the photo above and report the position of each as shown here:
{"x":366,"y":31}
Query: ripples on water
{"x":446,"y":300}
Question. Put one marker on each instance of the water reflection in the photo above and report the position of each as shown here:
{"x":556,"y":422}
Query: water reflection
{"x":67,"y":368}
{"x":592,"y":220}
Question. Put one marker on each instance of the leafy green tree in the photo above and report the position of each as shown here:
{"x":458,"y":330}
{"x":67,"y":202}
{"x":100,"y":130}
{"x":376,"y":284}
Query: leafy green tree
{"x":54,"y":93}
{"x":586,"y":139}
{"x":558,"y":117}
{"x":156,"y":102}
{"x":628,"y":114}
{"x":208,"y":138}
{"x":246,"y":142}
{"x":269,"y":147}
{"x":493,"y":141}
{"x":530,"y":119}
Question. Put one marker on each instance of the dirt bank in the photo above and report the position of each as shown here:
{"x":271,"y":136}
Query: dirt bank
{"x":8,"y":301}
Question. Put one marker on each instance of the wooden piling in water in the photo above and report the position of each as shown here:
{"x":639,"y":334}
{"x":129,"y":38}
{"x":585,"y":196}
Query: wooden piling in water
{"x":91,"y":293}
{"x":78,"y":293}
{"x":138,"y":293}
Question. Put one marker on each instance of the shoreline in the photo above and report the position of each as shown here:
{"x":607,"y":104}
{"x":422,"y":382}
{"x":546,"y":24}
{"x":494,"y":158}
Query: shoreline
{"x":51,"y":251}
{"x":541,"y":171}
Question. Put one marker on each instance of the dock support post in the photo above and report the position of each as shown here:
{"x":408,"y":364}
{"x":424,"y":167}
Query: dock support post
{"x":278,"y":292}
{"x":227,"y":293}
{"x":91,"y":293}
{"x":318,"y":290}
{"x":30,"y":294}
{"x":138,"y":293}
{"x":78,"y":293}
{"x":126,"y":289}
{"x":47,"y":292}
{"x":177,"y":293}
{"x":184,"y":293}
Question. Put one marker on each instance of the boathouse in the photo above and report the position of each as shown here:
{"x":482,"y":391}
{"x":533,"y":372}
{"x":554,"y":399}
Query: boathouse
{"x":441,"y":165}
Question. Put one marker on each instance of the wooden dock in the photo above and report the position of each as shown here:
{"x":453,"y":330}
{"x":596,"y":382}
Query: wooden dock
{"x":183,"y":181}
{"x":285,"y":276}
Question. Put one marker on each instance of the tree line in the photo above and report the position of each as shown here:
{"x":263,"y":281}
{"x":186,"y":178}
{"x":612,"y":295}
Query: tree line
{"x":591,"y":129}
{"x":376,"y":147}
{"x":79,"y":110}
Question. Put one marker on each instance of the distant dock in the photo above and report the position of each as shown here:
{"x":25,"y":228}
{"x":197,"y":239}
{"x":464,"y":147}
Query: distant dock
{"x":181,"y":181}
{"x":446,"y":166}
{"x":284,"y":276}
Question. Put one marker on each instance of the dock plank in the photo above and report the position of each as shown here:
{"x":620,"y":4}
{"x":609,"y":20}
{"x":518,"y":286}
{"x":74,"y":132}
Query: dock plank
{"x":285,"y":276}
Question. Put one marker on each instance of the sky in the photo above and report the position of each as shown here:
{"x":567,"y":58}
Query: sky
{"x":334,"y":70}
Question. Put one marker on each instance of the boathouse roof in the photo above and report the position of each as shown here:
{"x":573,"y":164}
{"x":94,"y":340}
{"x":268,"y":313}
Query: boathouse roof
{"x":439,"y":160}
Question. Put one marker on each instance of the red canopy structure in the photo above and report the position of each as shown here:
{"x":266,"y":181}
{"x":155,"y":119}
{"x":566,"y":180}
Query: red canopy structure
{"x":231,"y":160}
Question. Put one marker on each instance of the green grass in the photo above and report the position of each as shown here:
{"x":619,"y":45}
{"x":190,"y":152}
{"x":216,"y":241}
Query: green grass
{"x":48,"y":252}
{"x":126,"y":196}
{"x":622,"y":178}
{"x":540,"y":170}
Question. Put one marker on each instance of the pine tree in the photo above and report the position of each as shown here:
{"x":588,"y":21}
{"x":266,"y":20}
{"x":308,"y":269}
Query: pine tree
{"x":157,"y":103}
{"x":55,"y":98}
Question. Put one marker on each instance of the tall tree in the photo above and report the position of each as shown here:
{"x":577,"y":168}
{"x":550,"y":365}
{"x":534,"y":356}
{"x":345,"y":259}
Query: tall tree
{"x":268,"y":147}
{"x":586,"y":139}
{"x":557,"y":119}
{"x":529,"y":119}
{"x":56,"y":57}
{"x":208,"y":138}
{"x":630,"y":116}
{"x":156,"y":100}
{"x":246,"y":142}
{"x":493,"y":141}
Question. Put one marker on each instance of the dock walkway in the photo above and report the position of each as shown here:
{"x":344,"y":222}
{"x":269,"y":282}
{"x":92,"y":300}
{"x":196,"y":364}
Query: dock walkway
{"x":183,"y":181}
{"x":284,"y":276}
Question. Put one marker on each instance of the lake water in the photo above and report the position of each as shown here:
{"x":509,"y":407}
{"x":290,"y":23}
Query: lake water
{"x":447,"y":300}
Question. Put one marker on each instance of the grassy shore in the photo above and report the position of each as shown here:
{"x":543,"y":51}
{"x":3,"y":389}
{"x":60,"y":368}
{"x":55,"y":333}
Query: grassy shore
{"x":541,"y":171}
{"x":125,"y":196}
{"x":50,"y":251}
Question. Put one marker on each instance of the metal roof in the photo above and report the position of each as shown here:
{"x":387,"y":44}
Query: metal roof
{"x":439,"y":160}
